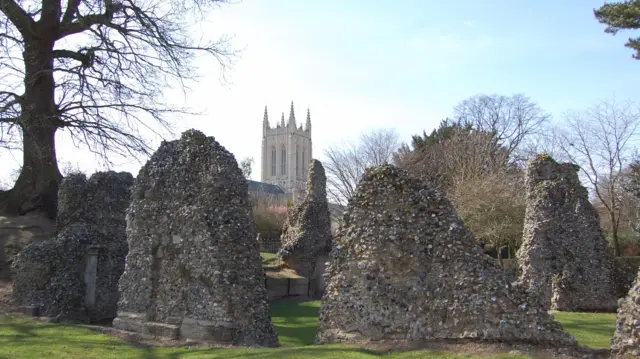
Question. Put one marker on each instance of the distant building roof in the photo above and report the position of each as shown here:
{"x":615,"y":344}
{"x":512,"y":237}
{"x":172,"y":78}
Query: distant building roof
{"x":255,"y":186}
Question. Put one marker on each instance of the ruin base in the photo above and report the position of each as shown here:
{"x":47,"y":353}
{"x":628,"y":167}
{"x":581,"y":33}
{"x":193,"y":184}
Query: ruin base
{"x":178,"y":328}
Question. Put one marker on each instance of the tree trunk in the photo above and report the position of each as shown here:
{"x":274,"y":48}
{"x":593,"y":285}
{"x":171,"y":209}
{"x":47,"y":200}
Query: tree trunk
{"x":614,"y":235}
{"x":36,"y":189}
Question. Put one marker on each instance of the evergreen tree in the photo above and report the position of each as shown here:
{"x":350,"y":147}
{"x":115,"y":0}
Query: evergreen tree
{"x":621,"y":16}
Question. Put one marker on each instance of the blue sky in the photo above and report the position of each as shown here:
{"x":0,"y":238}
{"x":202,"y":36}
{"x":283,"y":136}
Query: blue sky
{"x":401,"y":64}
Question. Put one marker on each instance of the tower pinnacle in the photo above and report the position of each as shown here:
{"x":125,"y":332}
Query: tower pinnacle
{"x":292,"y":117}
{"x":307,"y":126}
{"x":265,"y":122}
{"x":282,"y":120}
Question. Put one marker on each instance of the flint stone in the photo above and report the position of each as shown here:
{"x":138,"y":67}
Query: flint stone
{"x":404,"y":267}
{"x":16,"y":232}
{"x":626,"y":339}
{"x":307,"y":231}
{"x":564,"y":257}
{"x":192,"y":250}
{"x":50,"y":274}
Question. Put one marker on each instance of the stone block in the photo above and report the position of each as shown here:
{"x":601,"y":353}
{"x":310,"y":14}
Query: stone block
{"x":161,"y":330}
{"x":132,"y":322}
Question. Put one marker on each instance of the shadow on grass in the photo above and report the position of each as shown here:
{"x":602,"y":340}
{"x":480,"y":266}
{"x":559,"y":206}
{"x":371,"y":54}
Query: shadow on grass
{"x":23,"y":329}
{"x":49,"y":340}
{"x":592,"y":329}
{"x":296,"y":322}
{"x":286,"y":353}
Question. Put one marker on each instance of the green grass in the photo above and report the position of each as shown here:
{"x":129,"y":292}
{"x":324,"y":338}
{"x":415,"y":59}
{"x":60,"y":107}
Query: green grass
{"x":296,"y":324}
{"x":269,"y":259}
{"x":591,"y":329}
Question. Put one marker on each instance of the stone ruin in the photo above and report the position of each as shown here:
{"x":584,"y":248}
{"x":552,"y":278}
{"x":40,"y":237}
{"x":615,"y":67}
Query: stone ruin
{"x":74,"y":277}
{"x":404,"y":267}
{"x":16,"y":232}
{"x":194,"y":270}
{"x":626,"y":339}
{"x":307,"y":231}
{"x":564,"y":256}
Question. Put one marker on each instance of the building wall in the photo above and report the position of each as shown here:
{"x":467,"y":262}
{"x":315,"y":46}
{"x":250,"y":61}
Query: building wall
{"x":286,"y":152}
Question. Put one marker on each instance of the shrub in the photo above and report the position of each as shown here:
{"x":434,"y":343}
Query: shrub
{"x":544,"y":156}
{"x":268,"y":216}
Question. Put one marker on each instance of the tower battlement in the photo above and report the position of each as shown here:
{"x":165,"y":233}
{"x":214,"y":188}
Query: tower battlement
{"x":286,"y":151}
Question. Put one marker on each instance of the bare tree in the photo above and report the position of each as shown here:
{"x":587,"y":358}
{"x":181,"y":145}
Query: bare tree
{"x":246,"y":165}
{"x":345,"y":164}
{"x":513,"y":119}
{"x":474,"y":171}
{"x":466,"y":154}
{"x":95,"y":69}
{"x":492,"y":206}
{"x":601,"y":141}
{"x":544,"y":141}
{"x":626,"y":219}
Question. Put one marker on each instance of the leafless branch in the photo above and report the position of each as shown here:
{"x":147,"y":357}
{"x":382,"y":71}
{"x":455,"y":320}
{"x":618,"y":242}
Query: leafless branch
{"x":345,"y":164}
{"x":112,"y":61}
{"x":601,"y":141}
{"x":513,"y":119}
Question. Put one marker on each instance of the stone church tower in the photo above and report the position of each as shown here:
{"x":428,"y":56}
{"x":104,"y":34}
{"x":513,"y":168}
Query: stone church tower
{"x":286,"y":152}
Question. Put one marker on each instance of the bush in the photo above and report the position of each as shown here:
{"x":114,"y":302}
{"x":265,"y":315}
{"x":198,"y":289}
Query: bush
{"x":492,"y":206}
{"x":544,"y":156}
{"x":269,"y":216}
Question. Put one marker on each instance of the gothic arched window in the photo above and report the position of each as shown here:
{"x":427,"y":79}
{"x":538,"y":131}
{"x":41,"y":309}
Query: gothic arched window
{"x":303,"y":160}
{"x":283,"y":163}
{"x":297,"y":160}
{"x":273,"y":160}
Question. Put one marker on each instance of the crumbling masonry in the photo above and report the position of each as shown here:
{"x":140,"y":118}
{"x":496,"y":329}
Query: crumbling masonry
{"x":193,"y":270}
{"x":307,"y":230}
{"x":564,"y":257}
{"x":626,"y":339}
{"x":404,"y":267}
{"x":74,"y":277}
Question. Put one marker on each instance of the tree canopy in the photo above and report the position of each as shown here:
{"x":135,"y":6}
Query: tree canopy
{"x":95,"y":69}
{"x":621,"y":16}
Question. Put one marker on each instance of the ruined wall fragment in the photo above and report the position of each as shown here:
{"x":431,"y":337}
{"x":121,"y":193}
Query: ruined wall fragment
{"x":193,"y":270}
{"x":404,"y":267}
{"x":626,"y":339}
{"x":564,"y":256}
{"x":307,"y":230}
{"x":74,"y":277}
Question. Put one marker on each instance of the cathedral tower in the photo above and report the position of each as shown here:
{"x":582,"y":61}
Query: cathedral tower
{"x":286,"y":152}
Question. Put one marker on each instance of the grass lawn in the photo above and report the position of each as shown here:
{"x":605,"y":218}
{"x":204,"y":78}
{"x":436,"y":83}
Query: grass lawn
{"x":591,"y":329}
{"x":269,"y":259}
{"x":296,"y":324}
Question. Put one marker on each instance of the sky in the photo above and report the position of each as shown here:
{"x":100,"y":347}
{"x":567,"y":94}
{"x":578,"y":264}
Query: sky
{"x":365,"y":64}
